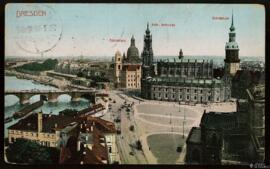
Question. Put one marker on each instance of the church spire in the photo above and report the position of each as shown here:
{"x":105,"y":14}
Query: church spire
{"x":147,"y":30}
{"x":132,"y":41}
{"x":232,"y":28}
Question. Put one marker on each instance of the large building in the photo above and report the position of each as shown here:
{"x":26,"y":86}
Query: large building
{"x":44,"y":129}
{"x":94,"y":138}
{"x":232,"y":137}
{"x":180,"y":79}
{"x":128,"y":68}
{"x":204,"y":143}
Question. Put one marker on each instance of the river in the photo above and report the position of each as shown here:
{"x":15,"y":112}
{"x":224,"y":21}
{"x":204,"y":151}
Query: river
{"x":12,"y":102}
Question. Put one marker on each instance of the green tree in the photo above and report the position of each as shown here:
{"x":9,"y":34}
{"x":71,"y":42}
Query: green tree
{"x":26,"y":151}
{"x":48,"y":64}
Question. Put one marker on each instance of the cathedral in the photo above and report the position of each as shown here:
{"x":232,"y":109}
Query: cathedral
{"x":127,"y":69}
{"x":187,"y":80}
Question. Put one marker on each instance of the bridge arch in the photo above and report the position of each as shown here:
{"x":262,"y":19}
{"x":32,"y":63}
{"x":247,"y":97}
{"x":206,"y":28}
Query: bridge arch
{"x":65,"y":97}
{"x":16,"y":95}
{"x":36,"y":97}
{"x":11,"y":99}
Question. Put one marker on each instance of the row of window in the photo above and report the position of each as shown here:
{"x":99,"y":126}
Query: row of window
{"x":130,"y":80}
{"x":134,"y":76}
{"x":181,"y":90}
{"x":188,"y":97}
{"x":43,"y":143}
{"x":133,"y":84}
{"x":185,"y":72}
{"x":30,"y":133}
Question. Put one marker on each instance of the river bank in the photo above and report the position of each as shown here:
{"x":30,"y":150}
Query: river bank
{"x":42,"y":79}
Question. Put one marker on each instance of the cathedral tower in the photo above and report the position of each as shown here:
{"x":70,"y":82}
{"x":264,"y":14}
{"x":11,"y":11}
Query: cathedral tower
{"x":147,"y":64}
{"x":232,"y":61}
{"x":147,"y":54}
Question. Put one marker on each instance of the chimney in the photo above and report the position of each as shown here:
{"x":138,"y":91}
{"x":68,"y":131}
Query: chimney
{"x":78,"y":146}
{"x":237,"y":105}
{"x":40,"y":122}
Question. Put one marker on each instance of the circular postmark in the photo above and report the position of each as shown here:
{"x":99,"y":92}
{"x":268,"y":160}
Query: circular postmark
{"x":38,"y":28}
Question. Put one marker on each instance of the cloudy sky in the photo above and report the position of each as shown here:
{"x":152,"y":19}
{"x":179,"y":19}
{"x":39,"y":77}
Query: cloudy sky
{"x":102,"y":29}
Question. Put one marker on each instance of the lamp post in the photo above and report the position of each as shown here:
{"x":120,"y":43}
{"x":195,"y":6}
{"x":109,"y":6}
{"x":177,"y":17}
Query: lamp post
{"x":184,"y":121}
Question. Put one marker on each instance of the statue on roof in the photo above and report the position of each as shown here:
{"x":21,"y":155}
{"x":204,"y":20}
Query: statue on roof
{"x":181,"y":54}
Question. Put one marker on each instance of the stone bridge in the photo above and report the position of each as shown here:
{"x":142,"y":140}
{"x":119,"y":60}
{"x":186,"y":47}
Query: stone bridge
{"x":52,"y":95}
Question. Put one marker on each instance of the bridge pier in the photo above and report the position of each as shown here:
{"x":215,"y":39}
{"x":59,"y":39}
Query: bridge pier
{"x":75,"y":97}
{"x":24,"y":99}
{"x":52,"y":97}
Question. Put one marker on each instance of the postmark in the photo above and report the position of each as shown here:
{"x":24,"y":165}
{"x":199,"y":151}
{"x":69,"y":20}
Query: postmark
{"x":38,"y":28}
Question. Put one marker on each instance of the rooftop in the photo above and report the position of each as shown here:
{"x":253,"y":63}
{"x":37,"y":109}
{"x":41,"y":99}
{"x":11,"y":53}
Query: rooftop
{"x":50,"y":123}
{"x":132,"y":67}
{"x":194,"y":135}
{"x":221,"y":120}
{"x":173,"y":80}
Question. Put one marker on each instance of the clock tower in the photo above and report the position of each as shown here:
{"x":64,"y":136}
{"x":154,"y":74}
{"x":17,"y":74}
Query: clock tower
{"x":232,"y":61}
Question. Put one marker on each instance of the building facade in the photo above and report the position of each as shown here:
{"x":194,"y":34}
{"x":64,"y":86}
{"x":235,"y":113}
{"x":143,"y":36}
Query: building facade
{"x":180,"y":79}
{"x":256,"y":112}
{"x":47,"y":130}
{"x":127,"y":69}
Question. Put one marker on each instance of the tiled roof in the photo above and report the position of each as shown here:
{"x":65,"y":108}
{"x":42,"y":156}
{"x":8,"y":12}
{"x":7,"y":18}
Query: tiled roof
{"x":219,"y":120}
{"x":103,"y":125}
{"x":249,"y":76}
{"x":130,"y":67}
{"x":91,"y":110}
{"x":30,"y":123}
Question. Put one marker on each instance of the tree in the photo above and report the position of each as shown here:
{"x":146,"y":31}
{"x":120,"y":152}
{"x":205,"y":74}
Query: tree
{"x":26,"y":151}
{"x":48,"y":64}
{"x":80,"y":74}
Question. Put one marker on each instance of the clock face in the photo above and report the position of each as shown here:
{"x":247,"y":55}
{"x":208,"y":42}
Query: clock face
{"x":38,"y":28}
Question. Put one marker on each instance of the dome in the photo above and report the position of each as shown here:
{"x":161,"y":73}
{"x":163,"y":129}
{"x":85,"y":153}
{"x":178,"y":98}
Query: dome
{"x":132,"y":52}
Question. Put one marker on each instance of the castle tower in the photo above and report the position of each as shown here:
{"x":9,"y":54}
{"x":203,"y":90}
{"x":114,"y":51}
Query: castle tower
{"x":232,"y":61}
{"x":117,"y":66}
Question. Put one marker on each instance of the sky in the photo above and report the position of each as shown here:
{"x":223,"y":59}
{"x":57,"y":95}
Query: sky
{"x":92,"y":29}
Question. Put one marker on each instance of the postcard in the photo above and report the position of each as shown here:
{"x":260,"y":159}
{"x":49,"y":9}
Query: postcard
{"x":134,"y":83}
